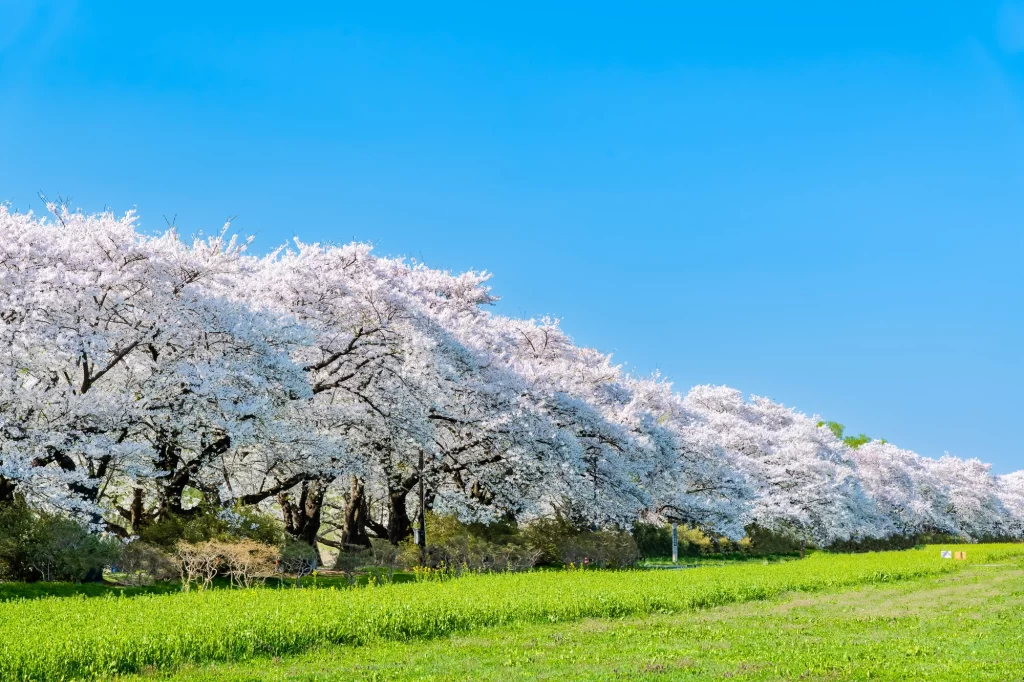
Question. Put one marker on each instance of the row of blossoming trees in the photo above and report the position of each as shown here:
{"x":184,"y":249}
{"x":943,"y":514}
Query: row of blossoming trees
{"x":138,"y":369}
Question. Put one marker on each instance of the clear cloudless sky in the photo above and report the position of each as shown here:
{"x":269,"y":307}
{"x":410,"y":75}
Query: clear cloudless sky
{"x":822,"y":203}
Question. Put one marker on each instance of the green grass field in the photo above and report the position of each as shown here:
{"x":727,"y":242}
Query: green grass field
{"x":918,"y":613}
{"x":968,"y":625}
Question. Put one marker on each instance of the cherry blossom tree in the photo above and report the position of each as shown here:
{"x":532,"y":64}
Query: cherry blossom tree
{"x":906,"y":488}
{"x":391,"y":383}
{"x":628,"y":445}
{"x":121,"y":367}
{"x":973,"y":500}
{"x":137,"y":369}
{"x":806,"y":482}
{"x":1010,"y":490}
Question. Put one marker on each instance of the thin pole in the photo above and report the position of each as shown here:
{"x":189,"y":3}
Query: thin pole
{"x":675,"y":542}
{"x":423,"y":518}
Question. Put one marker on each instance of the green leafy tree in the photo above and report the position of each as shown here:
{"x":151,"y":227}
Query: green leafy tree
{"x":851,"y":441}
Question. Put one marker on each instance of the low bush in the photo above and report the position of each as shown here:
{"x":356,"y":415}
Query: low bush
{"x":16,"y":521}
{"x":600,"y":549}
{"x":894,"y":542}
{"x":653,"y":540}
{"x":547,"y":536}
{"x":385,"y":559}
{"x":246,"y":563}
{"x":198,"y":563}
{"x":556,"y":541}
{"x":765,"y":542}
{"x":50,"y":547}
{"x":457,"y":547}
{"x":208,"y":522}
{"x":298,"y":559}
{"x":143,"y":564}
{"x":249,"y":563}
{"x":349,"y":562}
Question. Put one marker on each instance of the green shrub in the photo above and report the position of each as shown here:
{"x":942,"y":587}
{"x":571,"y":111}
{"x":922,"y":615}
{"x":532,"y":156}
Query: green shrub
{"x":765,"y":542}
{"x":298,"y":559}
{"x":385,"y":558}
{"x":51,"y":547}
{"x":547,"y":536}
{"x":16,"y":521}
{"x":249,"y":523}
{"x":210,"y":522}
{"x":62,"y":549}
{"x":502,"y":531}
{"x":454,"y":547}
{"x":895,"y":542}
{"x":558,"y":542}
{"x":600,"y":549}
{"x":351,"y":560}
{"x":143,"y":564}
{"x":653,"y":540}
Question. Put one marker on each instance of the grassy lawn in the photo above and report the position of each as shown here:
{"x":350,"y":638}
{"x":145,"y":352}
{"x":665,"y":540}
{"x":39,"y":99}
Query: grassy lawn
{"x":967,"y":625}
{"x":582,"y":624}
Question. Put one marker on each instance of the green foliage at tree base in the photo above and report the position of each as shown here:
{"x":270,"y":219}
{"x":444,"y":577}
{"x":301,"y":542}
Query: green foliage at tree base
{"x":46,"y":546}
{"x":210,"y":522}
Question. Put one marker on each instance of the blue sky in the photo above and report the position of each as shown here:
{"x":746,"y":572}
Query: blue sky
{"x":822,"y":205}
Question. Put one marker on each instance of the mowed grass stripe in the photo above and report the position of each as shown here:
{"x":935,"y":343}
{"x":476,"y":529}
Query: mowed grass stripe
{"x":80,"y":638}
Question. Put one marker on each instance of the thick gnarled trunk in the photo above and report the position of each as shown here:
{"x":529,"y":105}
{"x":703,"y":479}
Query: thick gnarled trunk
{"x":181,"y":474}
{"x":357,"y":516}
{"x":7,"y":490}
{"x":302,"y":518}
{"x":399,"y":524}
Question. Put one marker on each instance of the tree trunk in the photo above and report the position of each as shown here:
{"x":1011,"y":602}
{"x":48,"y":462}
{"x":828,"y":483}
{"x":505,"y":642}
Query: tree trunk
{"x":94,"y":575}
{"x":7,"y":489}
{"x":803,"y":547}
{"x":171,"y":487}
{"x":137,"y":511}
{"x":357,"y":516}
{"x":399,"y":525}
{"x":302,"y":520}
